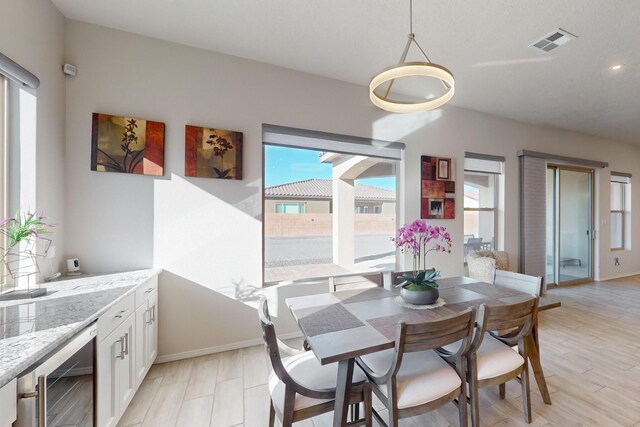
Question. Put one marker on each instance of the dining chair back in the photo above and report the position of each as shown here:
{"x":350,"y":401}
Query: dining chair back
{"x":419,"y":376}
{"x":293,"y":400}
{"x":265,"y":319}
{"x":492,"y":360}
{"x":520,"y":282}
{"x":396,"y":276}
{"x":356,"y":281}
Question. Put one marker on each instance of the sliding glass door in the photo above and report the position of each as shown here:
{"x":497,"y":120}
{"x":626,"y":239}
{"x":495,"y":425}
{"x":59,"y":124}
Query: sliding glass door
{"x":569,"y":225}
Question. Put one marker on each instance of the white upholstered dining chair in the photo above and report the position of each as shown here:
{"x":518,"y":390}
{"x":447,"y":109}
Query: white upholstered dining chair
{"x":356,"y":281}
{"x":300,"y":387}
{"x":492,"y":360}
{"x":419,"y":376}
{"x":532,"y":285}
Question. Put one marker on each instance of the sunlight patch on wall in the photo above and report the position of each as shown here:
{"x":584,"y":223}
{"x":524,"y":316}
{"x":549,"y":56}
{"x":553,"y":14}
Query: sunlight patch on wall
{"x":205,"y":239}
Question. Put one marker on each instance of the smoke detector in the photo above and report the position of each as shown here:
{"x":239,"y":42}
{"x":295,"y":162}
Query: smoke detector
{"x":554,"y":40}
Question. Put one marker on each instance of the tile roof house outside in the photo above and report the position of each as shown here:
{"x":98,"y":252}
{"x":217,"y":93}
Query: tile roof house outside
{"x":315,"y":197}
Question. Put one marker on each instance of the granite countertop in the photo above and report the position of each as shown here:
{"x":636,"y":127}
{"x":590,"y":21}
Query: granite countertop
{"x":32,"y":328}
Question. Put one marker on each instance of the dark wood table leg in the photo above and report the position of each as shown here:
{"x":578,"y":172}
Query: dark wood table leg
{"x":343,"y":392}
{"x":536,"y":366}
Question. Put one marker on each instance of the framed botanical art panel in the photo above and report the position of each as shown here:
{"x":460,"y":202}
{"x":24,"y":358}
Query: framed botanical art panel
{"x":127,"y":145}
{"x":438,"y":188}
{"x":213,"y":153}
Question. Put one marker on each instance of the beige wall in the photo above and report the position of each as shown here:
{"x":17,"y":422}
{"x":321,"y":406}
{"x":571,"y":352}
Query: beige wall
{"x":294,"y":225}
{"x":207,"y":233}
{"x":324,"y":206}
{"x":32,"y":33}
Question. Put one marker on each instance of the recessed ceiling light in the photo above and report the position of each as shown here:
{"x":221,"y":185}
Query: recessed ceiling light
{"x":617,"y":67}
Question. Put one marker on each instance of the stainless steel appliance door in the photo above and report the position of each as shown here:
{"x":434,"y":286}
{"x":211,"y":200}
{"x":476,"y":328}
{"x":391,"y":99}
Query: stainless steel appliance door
{"x":60,"y":390}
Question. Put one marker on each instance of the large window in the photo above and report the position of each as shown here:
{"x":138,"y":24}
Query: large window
{"x":620,"y":210}
{"x":5,"y":285}
{"x":482,"y":177}
{"x":329,"y":205}
{"x":18,"y":111}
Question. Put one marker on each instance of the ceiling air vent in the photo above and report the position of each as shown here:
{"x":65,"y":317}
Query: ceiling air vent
{"x":554,"y":40}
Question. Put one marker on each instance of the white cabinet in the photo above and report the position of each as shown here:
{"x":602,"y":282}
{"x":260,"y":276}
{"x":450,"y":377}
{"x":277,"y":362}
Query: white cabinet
{"x":116,"y":373}
{"x":146,"y":335}
{"x":8,"y":395}
{"x":127,"y":352}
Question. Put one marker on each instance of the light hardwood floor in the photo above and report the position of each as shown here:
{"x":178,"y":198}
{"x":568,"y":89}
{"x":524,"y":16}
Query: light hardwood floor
{"x":590,"y":353}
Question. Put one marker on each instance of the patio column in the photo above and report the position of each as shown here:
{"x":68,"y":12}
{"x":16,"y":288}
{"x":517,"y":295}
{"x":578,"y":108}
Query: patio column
{"x":343,"y":215}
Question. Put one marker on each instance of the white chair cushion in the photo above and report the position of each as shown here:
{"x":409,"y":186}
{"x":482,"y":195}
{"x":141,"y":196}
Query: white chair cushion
{"x":305,"y":369}
{"x":496,"y":358}
{"x":423,"y":376}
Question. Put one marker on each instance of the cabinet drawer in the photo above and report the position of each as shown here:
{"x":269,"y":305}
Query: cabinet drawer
{"x":145,"y":290}
{"x":115,"y":316}
{"x":8,"y":395}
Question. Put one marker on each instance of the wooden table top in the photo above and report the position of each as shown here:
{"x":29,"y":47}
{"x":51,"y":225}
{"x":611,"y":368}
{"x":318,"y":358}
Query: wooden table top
{"x":347,"y":324}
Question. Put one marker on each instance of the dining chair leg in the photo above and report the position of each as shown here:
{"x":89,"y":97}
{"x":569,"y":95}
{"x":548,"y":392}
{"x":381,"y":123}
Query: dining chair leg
{"x":462,"y":398}
{"x":536,"y":367}
{"x":272,"y":414}
{"x":526,"y":391}
{"x":392,"y":403}
{"x":473,"y":393}
{"x":368,"y":407}
{"x":288,"y":407}
{"x":503,"y":390}
{"x":462,"y":409}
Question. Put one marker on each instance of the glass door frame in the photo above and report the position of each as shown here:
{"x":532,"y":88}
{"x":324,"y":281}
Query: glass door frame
{"x":557,"y":224}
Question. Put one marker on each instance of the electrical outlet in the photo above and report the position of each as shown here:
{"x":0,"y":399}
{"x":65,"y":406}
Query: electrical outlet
{"x":616,"y":261}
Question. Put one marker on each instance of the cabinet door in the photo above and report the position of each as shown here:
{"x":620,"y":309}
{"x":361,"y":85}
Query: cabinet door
{"x":8,"y":395}
{"x":141,"y":342}
{"x":126,"y":367}
{"x":152,"y":329}
{"x":107,"y":380}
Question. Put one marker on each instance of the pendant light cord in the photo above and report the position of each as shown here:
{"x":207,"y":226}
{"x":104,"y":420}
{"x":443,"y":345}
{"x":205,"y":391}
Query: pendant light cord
{"x":403,"y":57}
{"x":410,"y":16}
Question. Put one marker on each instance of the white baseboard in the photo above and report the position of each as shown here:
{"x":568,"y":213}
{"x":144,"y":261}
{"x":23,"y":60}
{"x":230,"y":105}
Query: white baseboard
{"x":604,"y":279}
{"x":219,"y":349}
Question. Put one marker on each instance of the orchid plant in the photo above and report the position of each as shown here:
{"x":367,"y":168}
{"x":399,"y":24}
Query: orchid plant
{"x":419,"y":238}
{"x":21,"y":227}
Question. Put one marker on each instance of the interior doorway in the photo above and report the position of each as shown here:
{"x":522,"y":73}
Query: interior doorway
{"x":569,"y":236}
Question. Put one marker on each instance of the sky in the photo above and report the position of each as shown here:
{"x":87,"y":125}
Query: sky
{"x":284,"y":164}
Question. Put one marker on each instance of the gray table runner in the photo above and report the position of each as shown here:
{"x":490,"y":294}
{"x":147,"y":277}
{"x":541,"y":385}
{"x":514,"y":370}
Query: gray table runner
{"x":326,"y":319}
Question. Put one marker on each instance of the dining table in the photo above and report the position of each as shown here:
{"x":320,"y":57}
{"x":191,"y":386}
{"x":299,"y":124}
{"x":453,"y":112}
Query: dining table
{"x":343,"y":325}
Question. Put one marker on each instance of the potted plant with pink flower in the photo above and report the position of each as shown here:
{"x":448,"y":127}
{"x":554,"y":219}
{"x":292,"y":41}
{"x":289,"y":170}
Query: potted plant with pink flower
{"x":419,"y":238}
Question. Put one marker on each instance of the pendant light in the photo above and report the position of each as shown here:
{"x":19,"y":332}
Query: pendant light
{"x":411,"y":69}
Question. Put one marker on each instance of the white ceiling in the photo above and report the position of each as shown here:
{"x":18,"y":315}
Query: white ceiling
{"x":484,"y":43}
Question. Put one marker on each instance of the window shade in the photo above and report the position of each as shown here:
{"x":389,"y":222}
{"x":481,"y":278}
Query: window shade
{"x":533,"y":199}
{"x":323,"y":141}
{"x":483,"y":163}
{"x":621,"y":177}
{"x":15,"y":72}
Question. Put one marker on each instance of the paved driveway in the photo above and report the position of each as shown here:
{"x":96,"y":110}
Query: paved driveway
{"x":286,"y":251}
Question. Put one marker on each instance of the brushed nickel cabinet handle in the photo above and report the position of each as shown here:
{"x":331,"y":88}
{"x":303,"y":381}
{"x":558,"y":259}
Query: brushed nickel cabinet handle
{"x":126,"y":344}
{"x":42,"y":401}
{"x":41,"y":394}
{"x":121,"y":355}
